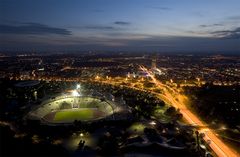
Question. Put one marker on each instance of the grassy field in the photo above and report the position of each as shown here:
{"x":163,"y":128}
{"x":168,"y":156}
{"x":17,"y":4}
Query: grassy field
{"x":76,"y":114}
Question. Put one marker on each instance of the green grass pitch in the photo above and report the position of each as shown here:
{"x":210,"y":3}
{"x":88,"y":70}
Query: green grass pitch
{"x":76,"y":114}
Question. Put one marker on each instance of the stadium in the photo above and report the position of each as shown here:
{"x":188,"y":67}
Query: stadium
{"x":66,"y":109}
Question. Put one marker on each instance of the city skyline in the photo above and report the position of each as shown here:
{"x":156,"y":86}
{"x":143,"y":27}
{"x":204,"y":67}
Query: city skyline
{"x":161,"y":26}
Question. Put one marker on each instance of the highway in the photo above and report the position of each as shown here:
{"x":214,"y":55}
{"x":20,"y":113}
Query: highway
{"x":169,"y":95}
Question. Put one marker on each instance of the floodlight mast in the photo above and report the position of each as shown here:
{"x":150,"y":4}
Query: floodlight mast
{"x":78,"y":88}
{"x":76,"y":93}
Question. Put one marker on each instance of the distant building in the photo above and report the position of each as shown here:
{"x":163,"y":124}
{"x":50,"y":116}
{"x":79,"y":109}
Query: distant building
{"x":154,"y":62}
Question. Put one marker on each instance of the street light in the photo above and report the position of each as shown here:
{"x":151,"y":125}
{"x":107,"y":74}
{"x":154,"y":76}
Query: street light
{"x":97,"y":77}
{"x":152,"y":123}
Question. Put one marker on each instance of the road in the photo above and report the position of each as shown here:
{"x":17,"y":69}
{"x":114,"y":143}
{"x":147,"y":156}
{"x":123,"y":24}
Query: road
{"x":170,"y":95}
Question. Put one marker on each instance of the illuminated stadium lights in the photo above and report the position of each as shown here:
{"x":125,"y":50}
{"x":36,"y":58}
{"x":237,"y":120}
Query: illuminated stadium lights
{"x":81,"y":108}
{"x":75,"y":93}
{"x":78,"y":86}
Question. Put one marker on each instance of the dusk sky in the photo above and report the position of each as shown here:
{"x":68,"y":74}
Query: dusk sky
{"x":129,"y":25}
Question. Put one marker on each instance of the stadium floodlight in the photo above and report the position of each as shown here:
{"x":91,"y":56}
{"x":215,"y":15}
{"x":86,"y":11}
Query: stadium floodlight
{"x":75,"y":93}
{"x":78,"y":86}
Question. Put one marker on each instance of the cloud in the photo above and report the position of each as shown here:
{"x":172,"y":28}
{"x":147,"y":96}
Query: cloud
{"x":121,"y":23}
{"x":203,"y":25}
{"x":104,"y":27}
{"x":32,"y":28}
{"x":212,"y":25}
{"x":234,"y":17}
{"x":217,"y":24}
{"x":228,"y":34}
{"x":100,"y":27}
{"x":160,"y":8}
{"x":126,"y":41}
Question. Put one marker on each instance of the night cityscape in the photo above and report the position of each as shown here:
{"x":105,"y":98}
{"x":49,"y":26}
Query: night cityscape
{"x":143,"y":78}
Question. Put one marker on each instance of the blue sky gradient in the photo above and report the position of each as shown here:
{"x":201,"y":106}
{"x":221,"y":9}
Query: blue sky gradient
{"x":129,"y":25}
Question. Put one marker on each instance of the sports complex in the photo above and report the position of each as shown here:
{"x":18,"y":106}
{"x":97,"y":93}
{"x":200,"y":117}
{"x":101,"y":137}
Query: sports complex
{"x":69,"y":108}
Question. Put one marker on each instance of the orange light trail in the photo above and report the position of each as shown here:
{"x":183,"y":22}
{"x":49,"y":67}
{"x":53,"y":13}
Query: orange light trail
{"x":216,"y":144}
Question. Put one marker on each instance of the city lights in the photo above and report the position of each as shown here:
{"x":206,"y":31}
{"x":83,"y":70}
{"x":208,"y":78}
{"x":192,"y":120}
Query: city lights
{"x":75,"y":93}
{"x":120,"y":78}
{"x":152,"y":123}
{"x":78,"y":86}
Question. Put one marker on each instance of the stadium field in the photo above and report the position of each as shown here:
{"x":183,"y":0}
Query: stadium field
{"x":59,"y":110}
{"x":76,"y":114}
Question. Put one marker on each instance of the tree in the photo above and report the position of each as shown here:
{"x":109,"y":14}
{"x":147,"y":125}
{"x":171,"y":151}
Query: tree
{"x":170,"y":111}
